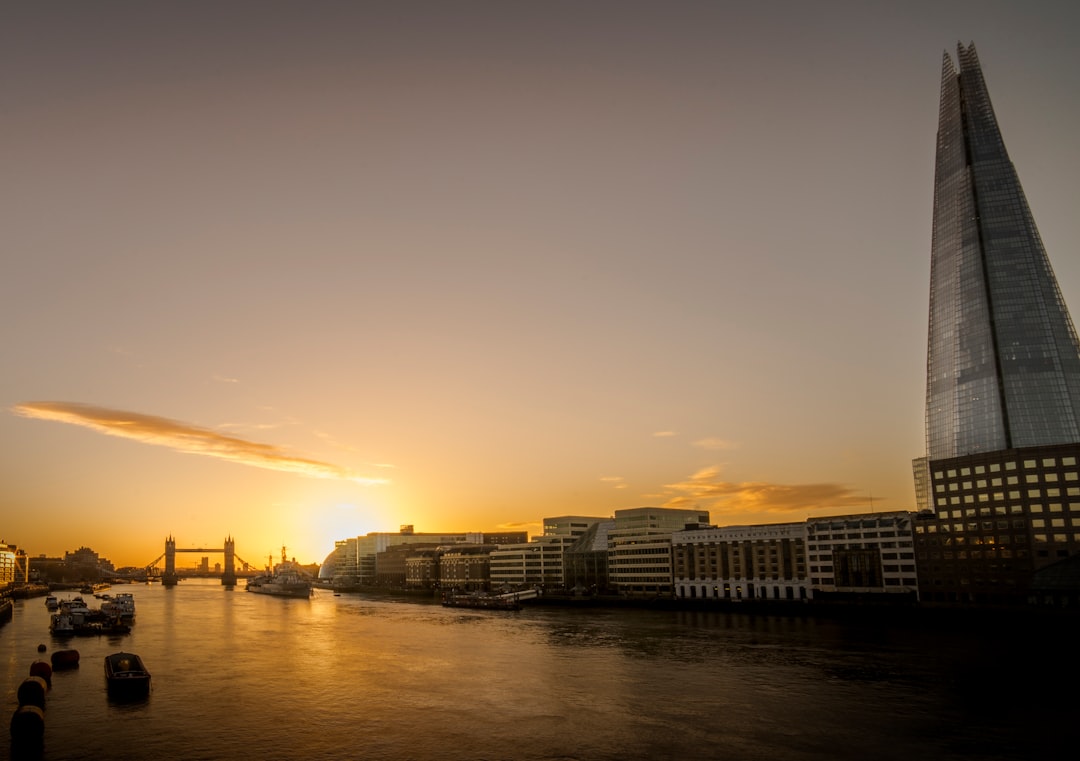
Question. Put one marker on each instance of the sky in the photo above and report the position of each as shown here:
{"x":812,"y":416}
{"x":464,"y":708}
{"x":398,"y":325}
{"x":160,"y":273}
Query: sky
{"x":296,"y":272}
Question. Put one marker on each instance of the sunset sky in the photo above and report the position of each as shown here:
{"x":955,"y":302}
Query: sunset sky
{"x":299,"y":271}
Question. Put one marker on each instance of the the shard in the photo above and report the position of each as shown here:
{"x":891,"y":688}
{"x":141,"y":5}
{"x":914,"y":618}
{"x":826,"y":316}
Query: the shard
{"x":1003,"y":365}
{"x":999,"y":487}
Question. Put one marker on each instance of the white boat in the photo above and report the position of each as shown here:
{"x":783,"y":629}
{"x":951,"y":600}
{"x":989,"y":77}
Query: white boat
{"x":122,"y":606}
{"x":75,"y":605}
{"x":62,"y":624}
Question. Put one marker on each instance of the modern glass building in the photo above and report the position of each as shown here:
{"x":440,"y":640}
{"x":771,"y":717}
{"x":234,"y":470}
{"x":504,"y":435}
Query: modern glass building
{"x":1003,"y":371}
{"x":1003,"y":367}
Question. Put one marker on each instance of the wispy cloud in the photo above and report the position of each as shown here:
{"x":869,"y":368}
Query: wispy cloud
{"x":663,"y":434}
{"x":615,"y":481}
{"x":713,"y":443}
{"x":182,"y":437}
{"x":731,"y":499}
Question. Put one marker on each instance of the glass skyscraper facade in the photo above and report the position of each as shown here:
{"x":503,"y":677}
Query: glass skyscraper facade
{"x":1003,"y":367}
{"x":999,"y":487}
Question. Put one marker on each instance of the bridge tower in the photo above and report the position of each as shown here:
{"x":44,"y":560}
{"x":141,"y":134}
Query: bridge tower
{"x":228,"y":577}
{"x":169,"y":578}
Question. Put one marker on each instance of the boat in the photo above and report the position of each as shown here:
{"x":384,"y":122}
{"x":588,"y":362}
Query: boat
{"x":101,"y":625}
{"x":76,"y":606}
{"x":283,"y":583}
{"x":51,"y":602}
{"x":486,"y":602}
{"x":126,"y":676}
{"x":62,"y":625}
{"x":122,"y":606}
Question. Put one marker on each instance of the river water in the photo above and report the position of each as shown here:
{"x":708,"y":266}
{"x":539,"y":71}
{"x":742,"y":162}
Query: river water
{"x":244,"y":676}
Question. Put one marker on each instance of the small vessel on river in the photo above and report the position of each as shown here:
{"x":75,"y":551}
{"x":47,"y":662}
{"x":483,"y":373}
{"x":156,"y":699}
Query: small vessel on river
{"x":121,"y":606}
{"x":283,"y":583}
{"x":286,"y":580}
{"x":485,"y":602}
{"x":126,"y":676}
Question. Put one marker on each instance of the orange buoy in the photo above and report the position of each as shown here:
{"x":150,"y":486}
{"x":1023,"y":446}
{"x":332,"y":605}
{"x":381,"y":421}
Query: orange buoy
{"x":27,"y":725}
{"x":65,"y":659}
{"x":42,"y":669}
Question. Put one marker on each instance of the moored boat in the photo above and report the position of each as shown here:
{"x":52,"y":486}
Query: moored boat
{"x":283,"y":583}
{"x":126,"y":676}
{"x":61,"y":625}
{"x":485,"y":602}
{"x":51,"y":602}
{"x":122,"y":606}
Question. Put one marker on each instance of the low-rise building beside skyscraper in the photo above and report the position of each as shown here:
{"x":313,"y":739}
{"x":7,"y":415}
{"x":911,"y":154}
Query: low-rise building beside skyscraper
{"x":862,"y":556}
{"x":765,"y":562}
{"x":853,"y":557}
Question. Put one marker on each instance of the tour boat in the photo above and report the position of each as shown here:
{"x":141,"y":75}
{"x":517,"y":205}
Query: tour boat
{"x":51,"y":602}
{"x":126,"y":676}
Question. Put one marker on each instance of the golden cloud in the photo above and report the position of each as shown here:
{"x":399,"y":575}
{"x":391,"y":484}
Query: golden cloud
{"x":181,"y":437}
{"x":714,"y":443}
{"x":706,"y":487}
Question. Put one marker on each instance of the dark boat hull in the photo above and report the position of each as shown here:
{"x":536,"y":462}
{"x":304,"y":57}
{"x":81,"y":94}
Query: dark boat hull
{"x":126,"y":676}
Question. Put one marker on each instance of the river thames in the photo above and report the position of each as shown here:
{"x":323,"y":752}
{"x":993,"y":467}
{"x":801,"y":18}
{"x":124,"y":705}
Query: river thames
{"x":244,"y":676}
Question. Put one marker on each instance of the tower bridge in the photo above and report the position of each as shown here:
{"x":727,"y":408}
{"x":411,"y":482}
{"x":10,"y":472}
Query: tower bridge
{"x":170,"y":576}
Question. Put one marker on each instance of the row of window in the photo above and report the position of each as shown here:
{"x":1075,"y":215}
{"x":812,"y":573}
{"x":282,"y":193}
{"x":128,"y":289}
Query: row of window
{"x":891,"y":581}
{"x":1047,"y":462}
{"x":1031,"y":478}
{"x":1013,"y":496}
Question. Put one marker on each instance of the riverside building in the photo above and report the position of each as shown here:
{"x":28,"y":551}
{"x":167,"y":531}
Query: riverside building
{"x":541,"y":561}
{"x":866,"y":557}
{"x":998,"y":481}
{"x":639,"y":548}
{"x":7,"y":564}
{"x":765,"y":562}
{"x":355,"y":560}
{"x":862,"y":555}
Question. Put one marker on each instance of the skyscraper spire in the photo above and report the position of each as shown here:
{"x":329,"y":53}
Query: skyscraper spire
{"x":1003,"y":363}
